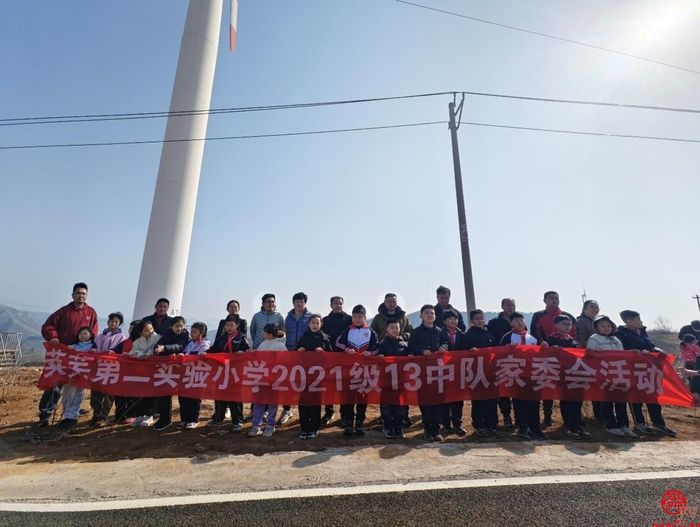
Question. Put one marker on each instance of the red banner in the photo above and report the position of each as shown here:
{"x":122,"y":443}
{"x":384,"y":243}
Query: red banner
{"x":294,"y":377}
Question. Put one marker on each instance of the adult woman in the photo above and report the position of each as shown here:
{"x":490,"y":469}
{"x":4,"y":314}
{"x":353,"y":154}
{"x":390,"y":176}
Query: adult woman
{"x":232,"y":308}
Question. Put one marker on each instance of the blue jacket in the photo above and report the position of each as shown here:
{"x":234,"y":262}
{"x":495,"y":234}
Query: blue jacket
{"x":295,"y":328}
{"x":259,"y":321}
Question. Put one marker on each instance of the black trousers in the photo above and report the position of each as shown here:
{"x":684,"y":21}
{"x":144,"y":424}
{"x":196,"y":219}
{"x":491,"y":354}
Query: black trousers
{"x":101,"y":404}
{"x":654,"y":414}
{"x":329,"y":409}
{"x":547,"y":406}
{"x":571,"y":414}
{"x":393,"y":416}
{"x":220,"y":411}
{"x":485,"y":413}
{"x":165,"y":408}
{"x":143,"y":406}
{"x":527,"y":413}
{"x":432,"y":416}
{"x":353,"y":412}
{"x":453,"y":414}
{"x":309,"y":418}
{"x":598,"y":411}
{"x":504,"y":404}
{"x":615,"y":415}
{"x":49,"y":401}
{"x":189,"y":409}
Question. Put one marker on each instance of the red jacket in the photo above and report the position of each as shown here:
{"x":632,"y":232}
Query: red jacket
{"x":65,"y":323}
{"x":542,"y":325}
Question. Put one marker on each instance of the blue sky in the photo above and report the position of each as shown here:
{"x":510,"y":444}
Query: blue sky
{"x":360,"y":214}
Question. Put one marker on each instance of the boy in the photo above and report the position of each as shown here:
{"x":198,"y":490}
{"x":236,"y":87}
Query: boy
{"x":527,"y":413}
{"x":633,"y":336}
{"x":427,"y":339}
{"x":452,"y":419}
{"x":570,"y":410}
{"x":485,"y":411}
{"x":393,"y":346}
{"x":358,"y":338}
{"x":232,"y":341}
{"x":313,"y":340}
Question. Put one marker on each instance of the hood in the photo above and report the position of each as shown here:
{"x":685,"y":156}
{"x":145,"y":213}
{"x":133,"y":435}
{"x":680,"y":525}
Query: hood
{"x":398,"y":315}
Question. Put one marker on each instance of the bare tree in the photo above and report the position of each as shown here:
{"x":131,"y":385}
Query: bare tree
{"x":663,"y":325}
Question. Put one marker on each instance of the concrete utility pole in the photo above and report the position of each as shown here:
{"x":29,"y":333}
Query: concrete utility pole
{"x":455,"y":118}
{"x":170,"y":228}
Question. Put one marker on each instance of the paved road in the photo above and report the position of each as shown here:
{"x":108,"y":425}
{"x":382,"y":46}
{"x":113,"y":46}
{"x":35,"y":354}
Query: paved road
{"x":628,"y":504}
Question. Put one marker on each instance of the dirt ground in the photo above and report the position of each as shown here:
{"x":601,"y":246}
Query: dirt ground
{"x":23,"y":440}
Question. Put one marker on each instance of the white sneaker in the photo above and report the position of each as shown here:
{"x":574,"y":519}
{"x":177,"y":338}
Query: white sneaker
{"x":228,"y":413}
{"x":138,"y":420}
{"x":286,"y":416}
{"x":237,"y":427}
{"x":616,"y":432}
{"x":147,"y":421}
{"x":255,"y":432}
{"x":269,"y":430}
{"x":191,"y":426}
{"x":629,"y":433}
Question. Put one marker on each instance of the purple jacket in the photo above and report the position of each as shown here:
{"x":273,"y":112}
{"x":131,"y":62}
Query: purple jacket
{"x":108,"y":340}
{"x":196,"y":347}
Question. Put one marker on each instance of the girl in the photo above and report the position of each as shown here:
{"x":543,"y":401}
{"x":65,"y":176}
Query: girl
{"x":144,"y":347}
{"x":172,"y":343}
{"x":198,"y":345}
{"x":313,"y":340}
{"x":106,"y":342}
{"x":72,"y":395}
{"x":690,"y":351}
{"x":273,"y":340}
{"x":614,"y":414}
{"x":124,"y":406}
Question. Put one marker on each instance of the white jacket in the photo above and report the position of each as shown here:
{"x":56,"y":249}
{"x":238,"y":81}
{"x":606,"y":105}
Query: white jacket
{"x":273,"y":345}
{"x":600,"y":342}
{"x":143,"y":347}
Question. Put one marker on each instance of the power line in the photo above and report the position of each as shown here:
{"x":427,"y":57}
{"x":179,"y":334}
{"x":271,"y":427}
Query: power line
{"x":581,"y":132}
{"x":347,"y":130}
{"x":20,"y":121}
{"x":224,"y":138}
{"x":547,"y":35}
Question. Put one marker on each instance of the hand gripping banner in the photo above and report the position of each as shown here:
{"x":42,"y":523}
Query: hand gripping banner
{"x":311,"y":378}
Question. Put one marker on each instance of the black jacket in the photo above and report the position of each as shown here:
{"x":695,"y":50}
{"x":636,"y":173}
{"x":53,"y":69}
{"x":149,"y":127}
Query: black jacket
{"x":335,"y":323}
{"x":174,"y":343}
{"x":242,"y":326}
{"x":631,"y":340}
{"x":562,"y":343}
{"x":393,"y":347}
{"x":425,"y":338}
{"x":310,"y":341}
{"x":479,"y":338}
{"x":460,"y":342}
{"x":498,"y":327}
{"x":161,"y":328}
{"x":438,"y":316}
{"x":239,"y":343}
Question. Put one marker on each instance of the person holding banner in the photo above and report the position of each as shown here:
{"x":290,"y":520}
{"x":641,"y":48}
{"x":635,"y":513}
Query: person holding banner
{"x":333,"y":325}
{"x":425,"y":340}
{"x":358,"y":338}
{"x":72,"y":396}
{"x":456,"y":340}
{"x":198,"y":345}
{"x":393,"y":415}
{"x":484,"y":411}
{"x":106,"y":342}
{"x":498,"y":327}
{"x":274,"y":340}
{"x":172,"y":343}
{"x":143,"y":347}
{"x":62,"y":327}
{"x":633,"y":336}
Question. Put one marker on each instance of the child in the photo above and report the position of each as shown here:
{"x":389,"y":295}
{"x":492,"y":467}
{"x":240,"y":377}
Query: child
{"x":690,"y":351}
{"x":452,"y":419}
{"x":106,"y":342}
{"x":570,"y":410}
{"x":273,"y":340}
{"x":198,"y":345}
{"x":393,"y":345}
{"x":313,"y":340}
{"x":484,"y":411}
{"x":527,"y":413}
{"x":172,"y":343}
{"x":694,"y":375}
{"x":72,"y":395}
{"x":358,"y":338}
{"x":614,"y":414}
{"x":124,"y":406}
{"x":232,"y":341}
{"x":427,"y":339}
{"x":143,"y":347}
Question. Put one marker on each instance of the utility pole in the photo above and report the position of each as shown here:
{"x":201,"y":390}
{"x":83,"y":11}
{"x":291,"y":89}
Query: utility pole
{"x":697,"y":299}
{"x":455,"y":119}
{"x":172,"y":215}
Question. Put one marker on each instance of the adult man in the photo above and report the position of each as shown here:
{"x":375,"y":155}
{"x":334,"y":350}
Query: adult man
{"x":498,"y":327}
{"x":160,"y":320}
{"x":267,"y":315}
{"x":333,"y":325}
{"x":633,"y":336}
{"x":390,"y":310}
{"x":693,"y":329}
{"x":295,"y":325}
{"x":542,"y":327}
{"x":443,"y":303}
{"x":62,"y":327}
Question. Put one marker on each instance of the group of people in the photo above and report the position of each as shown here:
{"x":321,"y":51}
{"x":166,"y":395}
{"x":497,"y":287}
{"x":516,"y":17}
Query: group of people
{"x":390,"y":333}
